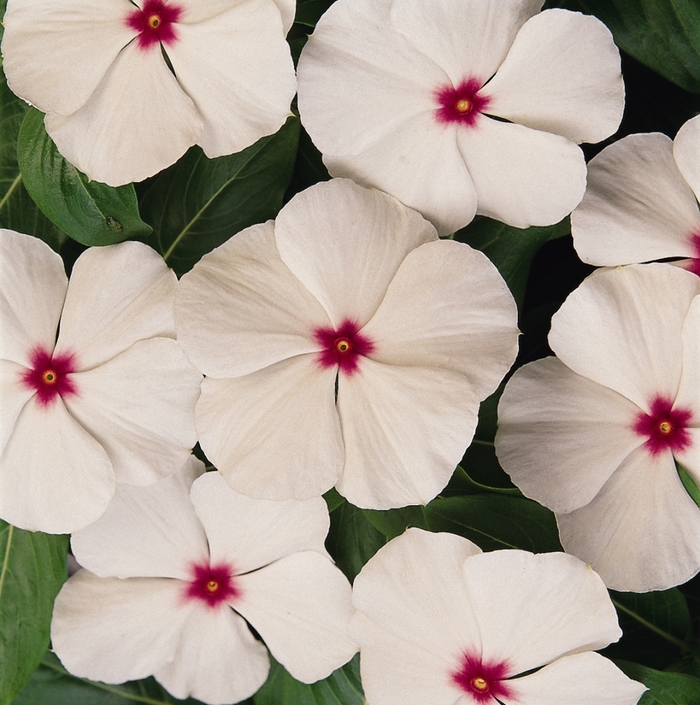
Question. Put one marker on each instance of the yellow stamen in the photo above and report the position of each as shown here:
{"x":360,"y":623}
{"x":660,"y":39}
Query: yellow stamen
{"x":342,"y":345}
{"x":480,"y":684}
{"x":154,"y":20}
{"x":49,"y":376}
{"x":464,"y":105}
{"x":665,"y":427}
{"x":212,"y":586}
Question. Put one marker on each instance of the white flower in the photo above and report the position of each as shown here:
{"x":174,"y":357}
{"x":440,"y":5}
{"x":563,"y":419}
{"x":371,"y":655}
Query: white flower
{"x":111,"y":400}
{"x":348,"y":291}
{"x":594,"y":433}
{"x":440,"y":622}
{"x":118,"y":109}
{"x":641,"y":202}
{"x":170,"y":571}
{"x":459,"y":107}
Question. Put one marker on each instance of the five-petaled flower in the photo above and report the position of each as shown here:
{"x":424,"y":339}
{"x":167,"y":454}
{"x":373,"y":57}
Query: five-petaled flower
{"x":595,"y":433}
{"x":459,"y":108}
{"x":173,"y":572}
{"x":343,"y":344}
{"x":127,"y":86}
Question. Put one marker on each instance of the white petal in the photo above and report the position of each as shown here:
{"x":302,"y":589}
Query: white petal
{"x":689,"y":458}
{"x":448,"y":307}
{"x":140,"y":407}
{"x":413,"y":588}
{"x":117,"y":630}
{"x":14,"y":394}
{"x":580,"y":678}
{"x":405,"y":429}
{"x":218,"y":660}
{"x":689,"y":389}
{"x":622,"y":329}
{"x":637,"y":206}
{"x":685,"y":151}
{"x":250,"y":533}
{"x":55,"y":54}
{"x":54,"y":476}
{"x":561,"y":75}
{"x":468,"y":38}
{"x":137,"y":122}
{"x":345,"y":243}
{"x":522,"y":176}
{"x":32,"y":288}
{"x":195,"y":11}
{"x":642,"y":531}
{"x":117,"y":296}
{"x":238,"y":71}
{"x":146,"y":532}
{"x":561,"y":436}
{"x":300,"y":605}
{"x":534,"y":608}
{"x":275,"y":433}
{"x":275,"y":314}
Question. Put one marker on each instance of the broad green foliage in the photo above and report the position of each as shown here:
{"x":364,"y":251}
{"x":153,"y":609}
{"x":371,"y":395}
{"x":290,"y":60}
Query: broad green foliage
{"x":664,"y":688}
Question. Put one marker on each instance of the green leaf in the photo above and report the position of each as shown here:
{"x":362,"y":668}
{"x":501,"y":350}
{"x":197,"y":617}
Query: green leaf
{"x":90,"y":212}
{"x":393,"y":522}
{"x":689,"y":484}
{"x":199,"y":203}
{"x":494,"y":521}
{"x":342,"y":687}
{"x":32,"y":570}
{"x":664,"y":688}
{"x":309,"y":11}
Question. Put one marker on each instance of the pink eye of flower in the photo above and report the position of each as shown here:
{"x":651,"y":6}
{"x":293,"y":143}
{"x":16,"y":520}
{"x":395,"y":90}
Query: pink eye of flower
{"x":462,"y":104}
{"x":695,"y":261}
{"x":665,"y":427}
{"x":155,"y":23}
{"x":49,"y":376}
{"x":212,"y":584}
{"x":484,"y":681}
{"x":342,"y":347}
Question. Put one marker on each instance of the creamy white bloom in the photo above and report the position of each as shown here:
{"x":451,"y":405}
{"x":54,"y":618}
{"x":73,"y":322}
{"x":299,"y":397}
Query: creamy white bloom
{"x":459,"y":107}
{"x":174,"y":571}
{"x":594,"y":433}
{"x":118,"y":109}
{"x":343,"y":344}
{"x":440,"y":622}
{"x":110,"y":399}
{"x":641,"y":202}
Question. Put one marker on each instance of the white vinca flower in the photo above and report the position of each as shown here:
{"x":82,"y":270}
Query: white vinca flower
{"x":641,"y":202}
{"x":128,"y":87}
{"x":343,"y":344}
{"x":459,"y":107}
{"x":173,"y":571}
{"x":108,"y":399}
{"x":440,"y":622}
{"x":595,"y":433}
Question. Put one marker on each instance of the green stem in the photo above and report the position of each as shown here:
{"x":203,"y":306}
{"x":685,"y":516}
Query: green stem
{"x":13,"y":186}
{"x":683,"y":645}
{"x":6,"y":560}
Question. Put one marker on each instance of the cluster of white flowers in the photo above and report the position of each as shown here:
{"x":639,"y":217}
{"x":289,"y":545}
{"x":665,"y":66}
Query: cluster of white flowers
{"x":345,"y":345}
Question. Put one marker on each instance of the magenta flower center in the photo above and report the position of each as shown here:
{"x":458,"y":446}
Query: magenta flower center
{"x":462,"y":104}
{"x":342,"y":347}
{"x":155,"y":23}
{"x":695,"y":261}
{"x":484,"y":681}
{"x":212,"y":584}
{"x":50,"y":376}
{"x":665,"y":427}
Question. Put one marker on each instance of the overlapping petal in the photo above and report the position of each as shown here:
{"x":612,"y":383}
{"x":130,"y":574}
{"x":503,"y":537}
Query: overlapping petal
{"x":685,"y":152}
{"x":688,"y":395}
{"x":14,"y":395}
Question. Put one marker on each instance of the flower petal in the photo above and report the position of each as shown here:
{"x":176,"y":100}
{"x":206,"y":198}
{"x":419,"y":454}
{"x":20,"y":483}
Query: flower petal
{"x":688,"y":394}
{"x":137,"y":122}
{"x":685,"y":152}
{"x":300,"y":605}
{"x":32,"y":289}
{"x":561,"y":436}
{"x":146,"y":532}
{"x":14,"y":396}
{"x":637,"y":205}
{"x":55,"y":54}
{"x":405,"y":430}
{"x":54,"y":476}
{"x":561,"y":75}
{"x":275,"y":433}
{"x":274,"y":313}
{"x":250,"y":533}
{"x":345,"y":244}
{"x":448,"y":307}
{"x":237,"y":69}
{"x":140,"y":407}
{"x":522,"y":176}
{"x":642,"y":531}
{"x":117,"y":296}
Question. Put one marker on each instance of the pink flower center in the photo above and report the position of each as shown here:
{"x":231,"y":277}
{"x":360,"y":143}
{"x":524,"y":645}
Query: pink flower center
{"x":694,"y":265}
{"x":212,"y":584}
{"x":342,"y":347}
{"x":49,"y":375}
{"x":665,"y":427}
{"x":155,"y":23}
{"x":462,"y":104}
{"x":484,"y":681}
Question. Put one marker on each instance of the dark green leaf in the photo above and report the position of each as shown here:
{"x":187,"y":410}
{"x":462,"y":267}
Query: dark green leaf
{"x":689,"y":484}
{"x":90,"y":212}
{"x":664,"y":688}
{"x":199,"y":203}
{"x":394,"y":522}
{"x":481,"y":463}
{"x":309,"y":11}
{"x":32,"y":570}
